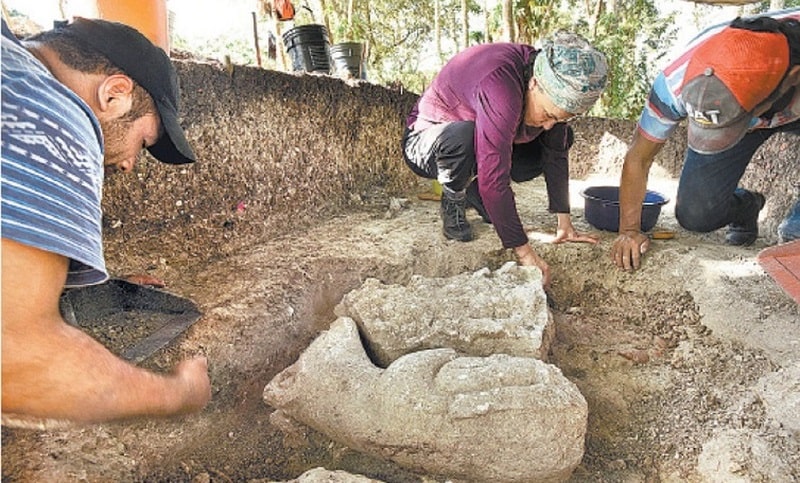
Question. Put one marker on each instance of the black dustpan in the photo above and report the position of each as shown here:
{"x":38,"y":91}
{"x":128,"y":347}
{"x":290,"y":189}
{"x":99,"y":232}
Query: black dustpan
{"x":119,"y":306}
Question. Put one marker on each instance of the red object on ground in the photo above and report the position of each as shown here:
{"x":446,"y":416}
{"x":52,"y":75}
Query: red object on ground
{"x":782,"y":263}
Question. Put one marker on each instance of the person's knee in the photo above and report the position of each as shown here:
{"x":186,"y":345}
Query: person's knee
{"x":521,"y":173}
{"x":694,"y":218}
{"x":460,"y":138}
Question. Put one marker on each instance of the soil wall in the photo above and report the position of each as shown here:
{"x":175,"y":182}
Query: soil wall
{"x":274,"y":150}
{"x":278,"y":150}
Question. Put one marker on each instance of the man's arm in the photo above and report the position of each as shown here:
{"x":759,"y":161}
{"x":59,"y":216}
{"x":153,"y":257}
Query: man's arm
{"x":56,"y":371}
{"x":631,"y":243}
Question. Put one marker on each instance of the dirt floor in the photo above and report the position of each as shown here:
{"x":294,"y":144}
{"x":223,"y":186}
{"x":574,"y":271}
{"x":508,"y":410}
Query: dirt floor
{"x":667,"y":357}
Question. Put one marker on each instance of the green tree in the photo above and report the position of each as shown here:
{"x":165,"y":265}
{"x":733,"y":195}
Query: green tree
{"x":635,"y":46}
{"x":534,"y":18}
{"x":767,"y":5}
{"x":400,"y":36}
{"x":624,"y":30}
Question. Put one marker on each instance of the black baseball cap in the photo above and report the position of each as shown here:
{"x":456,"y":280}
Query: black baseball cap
{"x":151,"y":68}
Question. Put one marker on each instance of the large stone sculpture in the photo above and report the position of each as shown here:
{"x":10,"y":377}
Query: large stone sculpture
{"x":321,"y":475}
{"x":498,"y":418}
{"x":481,"y":313}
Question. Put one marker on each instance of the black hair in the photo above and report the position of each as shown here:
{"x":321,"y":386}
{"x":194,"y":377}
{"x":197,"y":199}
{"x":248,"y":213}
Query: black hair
{"x":527,"y":71}
{"x":75,"y":54}
{"x":790,"y":28}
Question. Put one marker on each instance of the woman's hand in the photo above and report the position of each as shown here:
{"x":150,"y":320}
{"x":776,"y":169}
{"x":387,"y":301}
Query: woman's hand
{"x":566,"y":232}
{"x":528,"y":258}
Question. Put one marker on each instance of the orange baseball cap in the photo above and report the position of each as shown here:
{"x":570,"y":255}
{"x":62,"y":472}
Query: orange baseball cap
{"x":727,"y":77}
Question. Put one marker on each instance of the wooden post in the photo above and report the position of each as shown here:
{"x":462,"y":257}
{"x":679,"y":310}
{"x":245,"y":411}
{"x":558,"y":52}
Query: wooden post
{"x":255,"y":39}
{"x":280,"y":49}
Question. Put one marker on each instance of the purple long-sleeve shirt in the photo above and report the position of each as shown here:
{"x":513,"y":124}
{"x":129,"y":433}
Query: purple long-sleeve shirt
{"x":486,"y":84}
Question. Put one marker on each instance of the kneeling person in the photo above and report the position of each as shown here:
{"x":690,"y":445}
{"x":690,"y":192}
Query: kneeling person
{"x":497,"y":113}
{"x":77,"y":101}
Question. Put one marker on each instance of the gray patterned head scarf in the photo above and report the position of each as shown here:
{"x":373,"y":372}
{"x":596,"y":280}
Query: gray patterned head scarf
{"x":571,"y":72}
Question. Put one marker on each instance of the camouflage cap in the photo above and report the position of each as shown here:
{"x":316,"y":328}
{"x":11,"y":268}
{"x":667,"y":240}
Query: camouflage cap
{"x":571,"y":72}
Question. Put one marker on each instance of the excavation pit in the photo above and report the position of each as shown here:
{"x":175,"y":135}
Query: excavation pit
{"x":683,"y":363}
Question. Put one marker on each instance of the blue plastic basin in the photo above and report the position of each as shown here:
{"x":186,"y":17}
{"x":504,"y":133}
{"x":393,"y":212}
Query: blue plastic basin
{"x":601,"y":207}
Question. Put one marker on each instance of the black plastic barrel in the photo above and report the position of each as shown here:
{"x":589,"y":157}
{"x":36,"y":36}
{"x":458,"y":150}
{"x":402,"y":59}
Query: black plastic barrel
{"x":309,"y":48}
{"x":347,"y":57}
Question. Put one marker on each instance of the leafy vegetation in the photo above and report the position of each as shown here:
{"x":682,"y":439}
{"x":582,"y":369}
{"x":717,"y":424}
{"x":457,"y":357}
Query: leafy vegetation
{"x":408,"y":41}
{"x":401,"y":36}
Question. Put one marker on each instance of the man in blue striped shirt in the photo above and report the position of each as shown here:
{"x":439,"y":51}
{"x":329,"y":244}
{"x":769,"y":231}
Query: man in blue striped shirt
{"x":77,"y":101}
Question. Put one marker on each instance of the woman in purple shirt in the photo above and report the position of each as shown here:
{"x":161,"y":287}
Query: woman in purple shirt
{"x":497,"y":113}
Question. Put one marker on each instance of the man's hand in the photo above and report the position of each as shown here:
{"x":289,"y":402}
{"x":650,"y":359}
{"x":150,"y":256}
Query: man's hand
{"x":52,"y":370}
{"x":527,"y":257}
{"x":630,"y":245}
{"x":192,"y":376}
{"x":628,"y":249}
